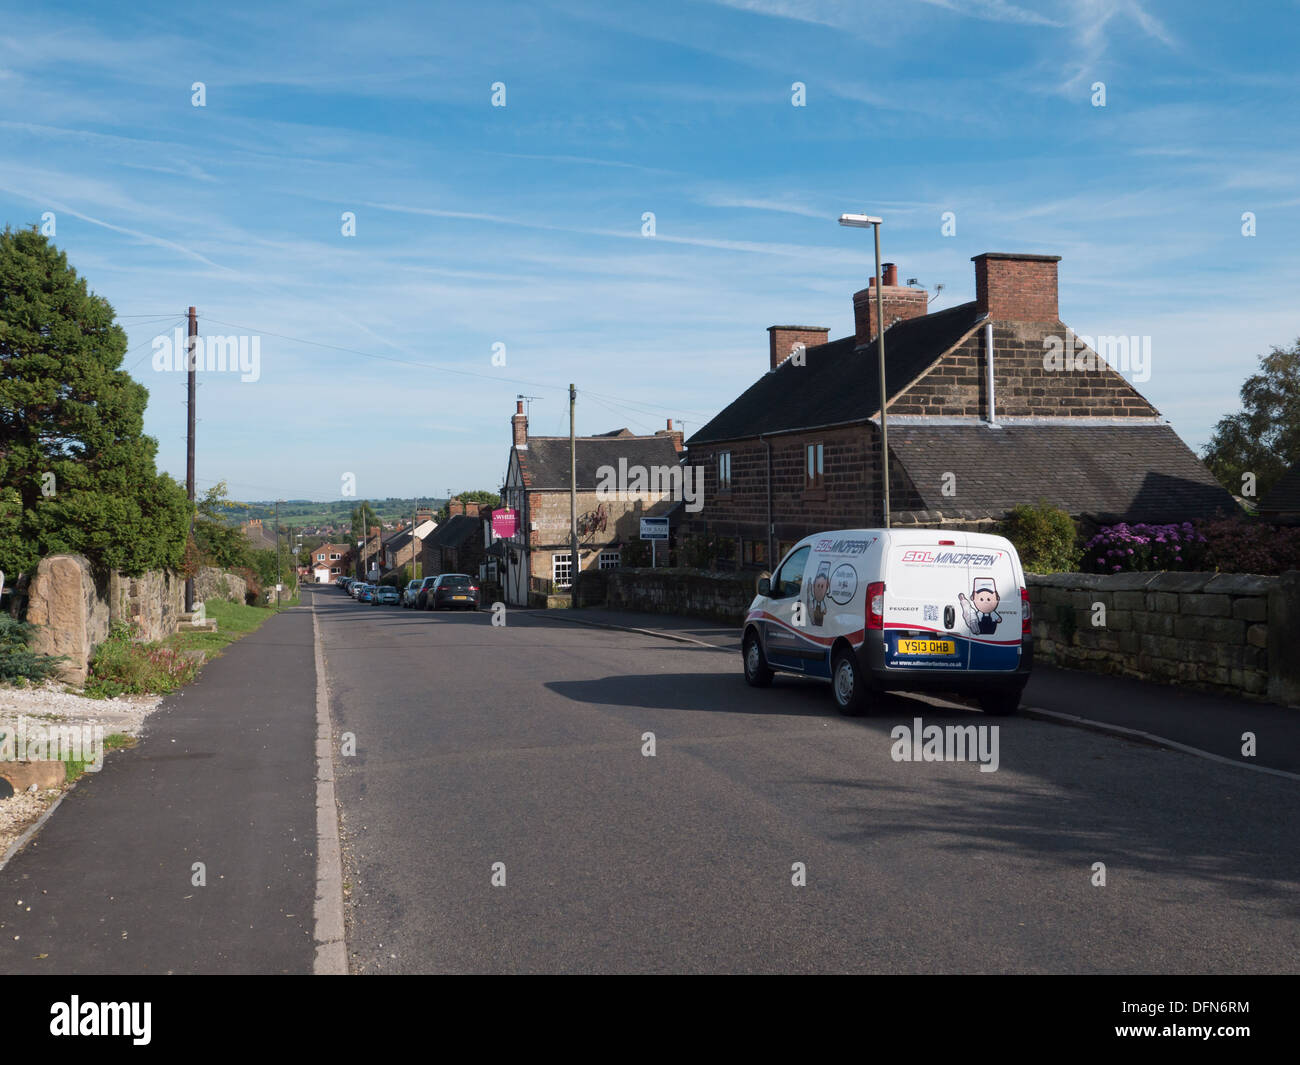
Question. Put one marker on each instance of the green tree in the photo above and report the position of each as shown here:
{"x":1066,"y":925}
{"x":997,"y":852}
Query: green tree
{"x":1045,"y":538}
{"x":77,"y":472}
{"x":220,"y":541}
{"x":1264,"y":437}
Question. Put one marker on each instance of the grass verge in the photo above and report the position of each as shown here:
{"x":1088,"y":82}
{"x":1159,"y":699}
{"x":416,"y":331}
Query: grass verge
{"x":112,"y":742}
{"x":122,"y":665}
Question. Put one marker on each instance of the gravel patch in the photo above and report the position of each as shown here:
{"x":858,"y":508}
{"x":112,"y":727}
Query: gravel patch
{"x":51,"y":704}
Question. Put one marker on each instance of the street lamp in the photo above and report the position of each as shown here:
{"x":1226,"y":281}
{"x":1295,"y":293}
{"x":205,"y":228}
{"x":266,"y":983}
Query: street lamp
{"x":863,"y":221}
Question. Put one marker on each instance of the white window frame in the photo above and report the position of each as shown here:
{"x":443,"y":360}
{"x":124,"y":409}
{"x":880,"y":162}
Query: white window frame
{"x":335,"y":556}
{"x":724,"y":471}
{"x":610,"y":559}
{"x":562,"y":562}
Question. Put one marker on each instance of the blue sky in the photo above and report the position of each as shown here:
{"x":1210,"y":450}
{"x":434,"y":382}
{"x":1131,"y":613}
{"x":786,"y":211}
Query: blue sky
{"x":522,"y":225}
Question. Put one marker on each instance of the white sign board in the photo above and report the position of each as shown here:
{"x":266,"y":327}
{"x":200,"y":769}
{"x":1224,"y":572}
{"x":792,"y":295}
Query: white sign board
{"x":654,"y":528}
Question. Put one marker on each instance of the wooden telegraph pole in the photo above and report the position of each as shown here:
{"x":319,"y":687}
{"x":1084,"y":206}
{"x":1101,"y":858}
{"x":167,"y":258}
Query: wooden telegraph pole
{"x":191,"y":365}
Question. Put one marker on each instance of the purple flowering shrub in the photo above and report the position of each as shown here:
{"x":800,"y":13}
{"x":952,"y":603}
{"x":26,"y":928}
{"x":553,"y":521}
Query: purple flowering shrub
{"x":1126,"y":548}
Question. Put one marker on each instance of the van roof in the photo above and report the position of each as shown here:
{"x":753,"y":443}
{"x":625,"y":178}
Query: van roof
{"x":915,"y":535}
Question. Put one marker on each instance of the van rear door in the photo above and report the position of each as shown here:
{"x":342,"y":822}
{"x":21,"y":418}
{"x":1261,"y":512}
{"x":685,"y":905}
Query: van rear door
{"x":923,"y":624}
{"x":992,"y":607}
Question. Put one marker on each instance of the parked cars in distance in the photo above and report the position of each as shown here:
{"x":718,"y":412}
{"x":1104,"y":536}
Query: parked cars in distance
{"x":384,"y":595}
{"x":875,"y":610}
{"x":454,"y":590}
{"x":366,"y":594}
{"x":422,"y":593}
{"x":343,"y":583}
{"x":409,"y":593}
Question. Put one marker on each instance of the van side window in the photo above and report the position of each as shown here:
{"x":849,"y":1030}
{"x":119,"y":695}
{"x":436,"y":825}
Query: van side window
{"x":790,"y":579}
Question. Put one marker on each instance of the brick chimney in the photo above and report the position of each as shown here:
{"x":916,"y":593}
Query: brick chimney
{"x":783,"y":339}
{"x":519,"y":424}
{"x":900,"y":302}
{"x":676,"y":434}
{"x":1017,"y":288}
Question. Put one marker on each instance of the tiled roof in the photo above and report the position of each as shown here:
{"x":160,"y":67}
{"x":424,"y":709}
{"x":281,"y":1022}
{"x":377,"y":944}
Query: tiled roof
{"x":454,"y":531}
{"x":545,"y":463}
{"x":1134,"y":473}
{"x":838,"y":382}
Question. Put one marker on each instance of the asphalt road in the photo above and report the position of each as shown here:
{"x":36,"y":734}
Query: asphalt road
{"x":522,"y":745}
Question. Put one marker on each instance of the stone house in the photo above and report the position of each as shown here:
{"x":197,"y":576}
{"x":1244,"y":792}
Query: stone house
{"x":459,"y":545}
{"x":537,"y":486}
{"x":406,"y":545}
{"x":990,"y":403}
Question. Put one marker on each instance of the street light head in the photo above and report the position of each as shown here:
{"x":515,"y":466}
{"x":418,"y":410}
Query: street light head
{"x":860,"y":221}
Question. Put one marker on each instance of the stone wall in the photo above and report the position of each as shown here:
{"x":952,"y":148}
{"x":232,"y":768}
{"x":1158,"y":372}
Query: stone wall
{"x":719,"y":596}
{"x":1221,"y":631}
{"x":154,"y":601}
{"x":70,"y":610}
{"x":213,"y":583}
{"x":1234,"y":633}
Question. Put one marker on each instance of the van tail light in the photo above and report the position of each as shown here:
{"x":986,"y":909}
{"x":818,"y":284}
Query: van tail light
{"x":947,"y":543}
{"x":1025,"y":613}
{"x":876,"y":605}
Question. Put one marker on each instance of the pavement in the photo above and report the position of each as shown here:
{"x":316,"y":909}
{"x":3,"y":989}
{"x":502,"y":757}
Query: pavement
{"x":1181,"y":717}
{"x":223,"y":775}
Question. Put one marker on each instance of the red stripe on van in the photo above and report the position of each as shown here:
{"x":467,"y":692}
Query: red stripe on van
{"x":823,"y":641}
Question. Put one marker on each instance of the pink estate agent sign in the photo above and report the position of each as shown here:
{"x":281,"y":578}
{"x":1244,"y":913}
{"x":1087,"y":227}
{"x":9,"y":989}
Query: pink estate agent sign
{"x":505,"y":522}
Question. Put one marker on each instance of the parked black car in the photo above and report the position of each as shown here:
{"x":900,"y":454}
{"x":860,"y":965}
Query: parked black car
{"x":454,"y":590}
{"x":421,"y":594}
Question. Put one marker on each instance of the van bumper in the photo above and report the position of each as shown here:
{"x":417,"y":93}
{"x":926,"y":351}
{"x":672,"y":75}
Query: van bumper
{"x":871,"y":657}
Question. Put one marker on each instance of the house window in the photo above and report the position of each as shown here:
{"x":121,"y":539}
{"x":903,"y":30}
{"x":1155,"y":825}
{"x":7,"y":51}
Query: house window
{"x":813,"y":466}
{"x":320,"y":557}
{"x":609,"y":559}
{"x":335,"y":556}
{"x":724,"y":471}
{"x":755,"y":553}
{"x":562,"y":570}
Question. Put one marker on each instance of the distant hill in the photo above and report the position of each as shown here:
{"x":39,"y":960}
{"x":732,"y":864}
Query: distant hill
{"x":339,"y":512}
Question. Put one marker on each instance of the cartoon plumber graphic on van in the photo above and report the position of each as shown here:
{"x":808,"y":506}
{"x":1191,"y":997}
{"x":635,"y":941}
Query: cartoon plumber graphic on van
{"x":821,"y":587}
{"x":980,"y":610}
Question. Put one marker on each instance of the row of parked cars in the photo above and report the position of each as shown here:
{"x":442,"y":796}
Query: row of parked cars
{"x":453,"y":591}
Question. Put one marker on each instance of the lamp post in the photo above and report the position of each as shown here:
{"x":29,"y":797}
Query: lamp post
{"x":863,"y":221}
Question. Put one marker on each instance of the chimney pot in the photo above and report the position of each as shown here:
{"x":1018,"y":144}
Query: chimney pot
{"x":900,"y":302}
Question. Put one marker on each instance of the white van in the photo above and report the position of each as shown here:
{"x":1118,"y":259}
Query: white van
{"x":875,"y":610}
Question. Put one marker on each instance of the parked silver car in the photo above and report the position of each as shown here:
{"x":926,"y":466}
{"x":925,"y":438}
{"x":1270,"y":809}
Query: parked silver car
{"x":409,"y":593}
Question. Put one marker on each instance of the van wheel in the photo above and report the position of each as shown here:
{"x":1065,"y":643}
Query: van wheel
{"x":846,"y":682}
{"x":1000,"y":703}
{"x":757,"y":672}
